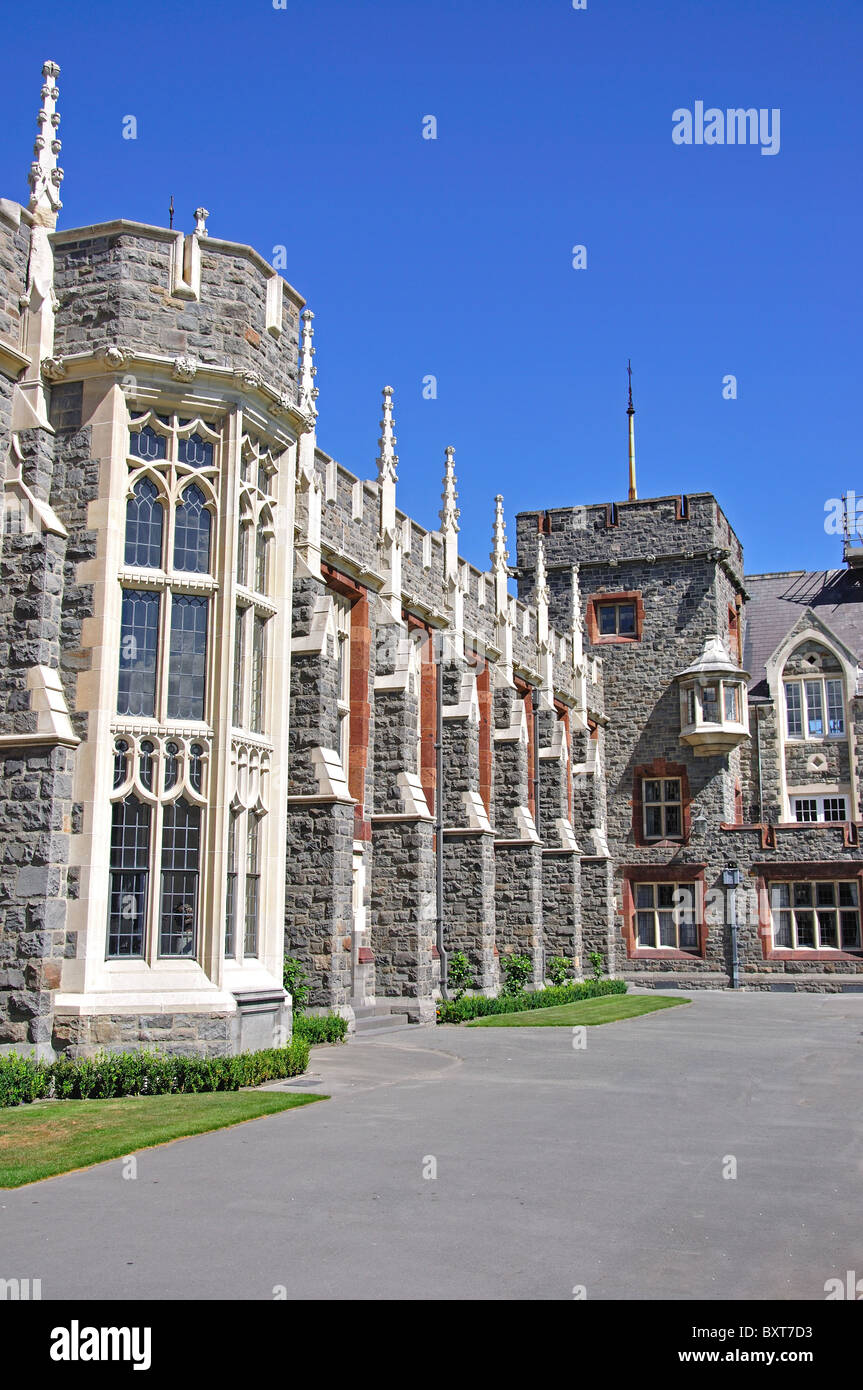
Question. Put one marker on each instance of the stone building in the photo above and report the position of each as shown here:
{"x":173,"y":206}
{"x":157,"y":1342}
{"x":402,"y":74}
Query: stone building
{"x":249,"y":707}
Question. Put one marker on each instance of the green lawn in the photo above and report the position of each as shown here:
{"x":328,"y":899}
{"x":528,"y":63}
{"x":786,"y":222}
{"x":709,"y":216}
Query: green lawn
{"x":607,"y":1009}
{"x":50,"y":1137}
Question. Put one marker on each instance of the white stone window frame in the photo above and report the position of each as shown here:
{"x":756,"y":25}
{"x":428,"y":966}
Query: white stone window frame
{"x":823,"y":684}
{"x":416,"y":645}
{"x":256,"y":506}
{"x":663,"y":803}
{"x":156,"y":797}
{"x":792,"y":911}
{"x":818,"y":803}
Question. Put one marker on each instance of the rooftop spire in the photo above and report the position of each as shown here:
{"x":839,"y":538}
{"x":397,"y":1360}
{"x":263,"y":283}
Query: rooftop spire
{"x":387,"y":458}
{"x":630,"y":410}
{"x":449,"y":513}
{"x":499,"y":554}
{"x":308,"y":370}
{"x":45,"y":175}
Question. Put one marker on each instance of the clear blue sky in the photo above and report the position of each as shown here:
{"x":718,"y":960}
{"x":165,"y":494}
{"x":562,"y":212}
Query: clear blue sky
{"x":303,"y":127}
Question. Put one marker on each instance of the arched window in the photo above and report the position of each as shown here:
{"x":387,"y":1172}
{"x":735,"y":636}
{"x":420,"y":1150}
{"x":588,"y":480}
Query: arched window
{"x":196,"y":753}
{"x":144,"y":527}
{"x":121,"y":749}
{"x":171,"y":767}
{"x":262,"y":558}
{"x":130,"y":859}
{"x":192,"y":533}
{"x":181,"y":836}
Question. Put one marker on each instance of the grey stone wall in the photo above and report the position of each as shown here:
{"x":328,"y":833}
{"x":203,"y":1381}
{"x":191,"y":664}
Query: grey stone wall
{"x":561,"y":906}
{"x":318,"y":903}
{"x":403,"y":910}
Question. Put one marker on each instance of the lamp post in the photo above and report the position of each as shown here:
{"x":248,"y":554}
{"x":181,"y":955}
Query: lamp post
{"x":731,"y":878}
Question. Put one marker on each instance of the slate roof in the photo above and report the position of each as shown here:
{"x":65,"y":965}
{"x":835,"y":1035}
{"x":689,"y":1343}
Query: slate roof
{"x":778,"y":600}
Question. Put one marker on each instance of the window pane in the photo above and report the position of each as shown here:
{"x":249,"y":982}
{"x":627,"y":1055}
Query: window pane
{"x":171,"y":765}
{"x":672,"y":790}
{"x":644,"y":895}
{"x":180,"y":865}
{"x":258,"y":663}
{"x":242,"y":554}
{"x":139,"y":633}
{"x":626,"y":619}
{"x":250,"y":943}
{"x":802,"y":894}
{"x":145,"y":764}
{"x":850,"y":930}
{"x":653,"y":822}
{"x":793,"y":709}
{"x":607,"y":615}
{"x":231,"y":898}
{"x":847,"y":894}
{"x":239,"y":644}
{"x":192,"y":533}
{"x":806,"y":809}
{"x":121,"y":749}
{"x":782,"y":930}
{"x":646,"y":929}
{"x":144,"y":527}
{"x":262,"y":554}
{"x":710,"y":704}
{"x":196,"y":766}
{"x":835,"y":708}
{"x":827,"y":929}
{"x":825,"y":894}
{"x":667,"y":929}
{"x":665,"y":894}
{"x":195,"y":451}
{"x":834,"y":808}
{"x":672,"y":820}
{"x":780,"y":895}
{"x":130,"y":860}
{"x":187,"y":669}
{"x":731,"y":703}
{"x":814,"y":709}
{"x":690,"y":706}
{"x":147,"y":444}
{"x":652,"y":791}
{"x":805,"y":928}
{"x":688,"y":936}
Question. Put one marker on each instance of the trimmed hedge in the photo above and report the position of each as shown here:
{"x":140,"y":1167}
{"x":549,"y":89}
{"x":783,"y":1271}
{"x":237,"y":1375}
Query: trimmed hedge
{"x":325,"y":1028}
{"x":450,"y":1011}
{"x":109,"y":1074}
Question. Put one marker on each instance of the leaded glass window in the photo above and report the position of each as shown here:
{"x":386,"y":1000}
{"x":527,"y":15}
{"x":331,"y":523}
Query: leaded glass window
{"x":253,"y":881}
{"x":187,"y":667}
{"x":231,"y":896}
{"x":144,"y":518}
{"x":129,"y":877}
{"x":138,"y":647}
{"x":192,"y":533}
{"x":147,"y":444}
{"x":666,"y":916}
{"x":259,"y":647}
{"x":239,"y":653}
{"x":195,"y":451}
{"x":171,"y":765}
{"x":181,"y":835}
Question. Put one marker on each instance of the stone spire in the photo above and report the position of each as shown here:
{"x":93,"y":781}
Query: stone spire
{"x":499,"y":558}
{"x":45,"y":175}
{"x":387,"y":458}
{"x":308,"y":370}
{"x":542,"y":595}
{"x":449,"y":515}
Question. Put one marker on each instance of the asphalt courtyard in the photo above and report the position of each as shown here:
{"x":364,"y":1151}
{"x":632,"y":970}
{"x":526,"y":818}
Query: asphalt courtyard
{"x":557,"y":1169}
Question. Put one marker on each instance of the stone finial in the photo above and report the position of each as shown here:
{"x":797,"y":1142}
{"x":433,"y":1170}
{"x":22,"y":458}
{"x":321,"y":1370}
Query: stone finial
{"x":449,"y":512}
{"x":499,"y":554}
{"x":201,"y":215}
{"x":308,"y":370}
{"x":387,"y":458}
{"x":541,"y":589}
{"x":576,"y":621}
{"x":45,"y":176}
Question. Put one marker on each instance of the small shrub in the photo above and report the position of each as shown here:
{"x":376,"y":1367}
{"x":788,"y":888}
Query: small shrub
{"x":296,"y":982}
{"x":517,"y":971}
{"x":477,"y":1006}
{"x":459,"y":975}
{"x":109,"y":1074}
{"x":330,"y":1028}
{"x":558,"y":970}
{"x":595,"y":959}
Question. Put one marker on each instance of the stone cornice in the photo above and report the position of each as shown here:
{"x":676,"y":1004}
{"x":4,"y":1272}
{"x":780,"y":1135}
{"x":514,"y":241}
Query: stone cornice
{"x":111,"y":359}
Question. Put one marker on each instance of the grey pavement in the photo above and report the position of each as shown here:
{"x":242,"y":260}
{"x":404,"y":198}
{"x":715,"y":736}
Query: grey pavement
{"x":556,"y":1168}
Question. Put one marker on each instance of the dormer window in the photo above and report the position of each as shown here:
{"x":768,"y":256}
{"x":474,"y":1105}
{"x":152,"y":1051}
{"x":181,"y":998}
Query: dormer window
{"x":713,"y":707}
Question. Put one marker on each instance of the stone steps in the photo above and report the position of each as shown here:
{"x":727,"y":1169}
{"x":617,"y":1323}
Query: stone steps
{"x":373,"y":1019}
